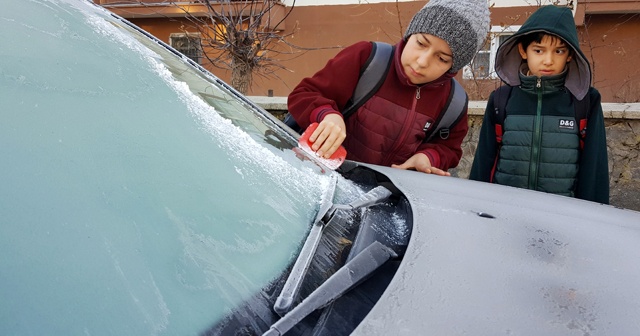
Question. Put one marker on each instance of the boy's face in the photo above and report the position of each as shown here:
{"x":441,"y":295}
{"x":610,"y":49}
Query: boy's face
{"x":425,"y":58}
{"x":546,"y":58}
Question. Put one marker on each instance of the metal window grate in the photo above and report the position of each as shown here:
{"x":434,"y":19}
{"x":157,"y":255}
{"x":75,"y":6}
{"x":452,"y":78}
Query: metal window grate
{"x":188,"y":44}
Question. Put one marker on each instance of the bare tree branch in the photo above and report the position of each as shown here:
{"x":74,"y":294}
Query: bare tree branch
{"x":244,"y":36}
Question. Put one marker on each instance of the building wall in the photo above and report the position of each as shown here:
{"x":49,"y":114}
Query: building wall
{"x":325,"y":30}
{"x":610,"y":41}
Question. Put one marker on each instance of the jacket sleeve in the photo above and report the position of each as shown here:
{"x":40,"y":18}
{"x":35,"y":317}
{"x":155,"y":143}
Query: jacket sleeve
{"x":446,"y":153}
{"x":593,"y":172}
{"x":487,"y":148}
{"x":329,"y":89}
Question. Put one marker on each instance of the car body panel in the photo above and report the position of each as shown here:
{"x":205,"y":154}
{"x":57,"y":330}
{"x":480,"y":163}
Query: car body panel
{"x":486,"y":259}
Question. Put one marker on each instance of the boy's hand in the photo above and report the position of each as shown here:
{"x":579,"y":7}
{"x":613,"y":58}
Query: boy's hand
{"x":329,"y":135}
{"x":421,"y":163}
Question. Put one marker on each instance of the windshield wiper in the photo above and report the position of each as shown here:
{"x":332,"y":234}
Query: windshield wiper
{"x":292,"y":285}
{"x":353,"y":272}
{"x":348,"y":276}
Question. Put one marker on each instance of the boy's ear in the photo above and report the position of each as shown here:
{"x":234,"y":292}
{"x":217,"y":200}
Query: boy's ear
{"x":522,"y":52}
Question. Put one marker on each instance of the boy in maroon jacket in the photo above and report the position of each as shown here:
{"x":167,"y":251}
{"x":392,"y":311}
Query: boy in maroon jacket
{"x":389,"y":128}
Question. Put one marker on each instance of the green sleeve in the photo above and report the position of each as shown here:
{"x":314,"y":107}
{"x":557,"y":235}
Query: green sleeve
{"x":487,"y":149}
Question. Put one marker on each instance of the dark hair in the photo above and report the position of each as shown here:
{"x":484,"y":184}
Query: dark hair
{"x":537,"y":37}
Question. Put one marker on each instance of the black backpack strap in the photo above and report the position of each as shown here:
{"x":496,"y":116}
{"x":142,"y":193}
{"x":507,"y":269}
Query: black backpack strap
{"x":582,"y":111}
{"x":453,"y":111}
{"x":500,"y":98}
{"x":372,"y":75}
{"x":289,"y":121}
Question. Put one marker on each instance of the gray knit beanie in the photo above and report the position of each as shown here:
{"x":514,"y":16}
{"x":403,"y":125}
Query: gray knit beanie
{"x":464,"y":24}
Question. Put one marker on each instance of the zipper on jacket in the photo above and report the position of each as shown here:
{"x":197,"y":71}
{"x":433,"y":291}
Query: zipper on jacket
{"x":536,"y":140}
{"x":405,"y":131}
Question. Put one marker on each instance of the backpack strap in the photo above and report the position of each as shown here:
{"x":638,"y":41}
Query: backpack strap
{"x":291,"y":122}
{"x":500,"y":98}
{"x":453,"y":111}
{"x":582,"y":111}
{"x":372,"y":75}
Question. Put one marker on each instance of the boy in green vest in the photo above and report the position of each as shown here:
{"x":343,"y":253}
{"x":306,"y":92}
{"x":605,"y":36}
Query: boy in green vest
{"x":542,"y":142}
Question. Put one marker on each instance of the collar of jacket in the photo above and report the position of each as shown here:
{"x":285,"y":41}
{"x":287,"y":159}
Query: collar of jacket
{"x":397,"y":62}
{"x":548,"y":83}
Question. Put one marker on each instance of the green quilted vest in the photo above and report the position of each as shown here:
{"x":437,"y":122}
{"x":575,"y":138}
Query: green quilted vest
{"x":539,"y":153}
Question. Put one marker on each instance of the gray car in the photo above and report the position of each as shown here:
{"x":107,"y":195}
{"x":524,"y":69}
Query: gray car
{"x":142,"y":195}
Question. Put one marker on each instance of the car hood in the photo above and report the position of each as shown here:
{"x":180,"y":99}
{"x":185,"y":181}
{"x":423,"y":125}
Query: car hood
{"x":487,"y":259}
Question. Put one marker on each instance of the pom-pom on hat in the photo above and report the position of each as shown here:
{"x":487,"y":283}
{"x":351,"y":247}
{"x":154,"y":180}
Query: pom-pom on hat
{"x":464,"y":24}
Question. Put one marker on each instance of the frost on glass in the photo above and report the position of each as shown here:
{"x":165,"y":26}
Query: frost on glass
{"x":128,"y":204}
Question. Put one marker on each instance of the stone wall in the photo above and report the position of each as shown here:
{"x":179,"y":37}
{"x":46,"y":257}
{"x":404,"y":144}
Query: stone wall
{"x":623,"y":141}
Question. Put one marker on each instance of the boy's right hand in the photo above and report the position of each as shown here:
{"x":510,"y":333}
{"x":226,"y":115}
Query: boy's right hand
{"x":329,"y":135}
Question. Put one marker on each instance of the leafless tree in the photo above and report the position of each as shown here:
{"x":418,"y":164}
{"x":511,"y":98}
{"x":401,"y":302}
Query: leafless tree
{"x":245,"y":36}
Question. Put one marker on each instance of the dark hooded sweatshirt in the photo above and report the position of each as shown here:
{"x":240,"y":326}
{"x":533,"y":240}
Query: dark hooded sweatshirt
{"x":543,"y":153}
{"x":388,"y":128}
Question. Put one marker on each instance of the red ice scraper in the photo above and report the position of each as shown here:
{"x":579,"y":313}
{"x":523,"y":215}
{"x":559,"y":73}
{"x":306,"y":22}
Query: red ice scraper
{"x":333,"y":162}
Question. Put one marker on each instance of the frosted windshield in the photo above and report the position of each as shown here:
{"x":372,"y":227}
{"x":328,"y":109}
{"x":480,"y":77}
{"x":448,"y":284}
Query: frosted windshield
{"x":138,"y":196}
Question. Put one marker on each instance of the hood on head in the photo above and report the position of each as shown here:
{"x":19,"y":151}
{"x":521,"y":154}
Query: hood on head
{"x":553,"y":20}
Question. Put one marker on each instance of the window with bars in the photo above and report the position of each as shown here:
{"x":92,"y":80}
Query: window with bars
{"x":480,"y":64}
{"x":187,"y":43}
{"x":483,"y":64}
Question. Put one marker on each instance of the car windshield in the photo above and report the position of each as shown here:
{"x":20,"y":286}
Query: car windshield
{"x":138,"y":195}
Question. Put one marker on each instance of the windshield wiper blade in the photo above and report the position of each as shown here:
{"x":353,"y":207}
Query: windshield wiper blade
{"x":285,"y":300}
{"x":372,"y":197}
{"x":350,"y":275}
{"x":292,"y":285}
